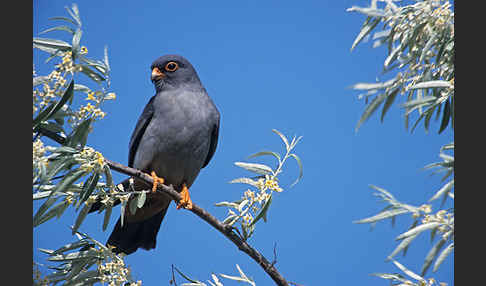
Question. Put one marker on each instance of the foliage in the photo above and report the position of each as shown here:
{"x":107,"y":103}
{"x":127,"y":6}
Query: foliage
{"x":254,"y":205}
{"x":420,"y":41}
{"x":72,"y":171}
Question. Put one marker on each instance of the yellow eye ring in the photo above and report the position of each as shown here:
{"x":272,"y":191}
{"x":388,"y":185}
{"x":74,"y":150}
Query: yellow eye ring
{"x":171,"y":66}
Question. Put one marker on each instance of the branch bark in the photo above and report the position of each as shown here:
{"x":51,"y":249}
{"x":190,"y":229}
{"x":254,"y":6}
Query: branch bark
{"x":226,"y":230}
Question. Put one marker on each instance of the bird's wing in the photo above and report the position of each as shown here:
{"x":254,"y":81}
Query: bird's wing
{"x":213,"y":143}
{"x":137,"y":134}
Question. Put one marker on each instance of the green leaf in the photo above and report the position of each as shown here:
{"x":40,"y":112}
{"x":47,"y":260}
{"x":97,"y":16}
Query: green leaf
{"x":256,"y":168}
{"x":75,"y":255}
{"x":365,"y":30}
{"x":47,"y":113}
{"x":74,"y":245}
{"x":90,"y":73}
{"x":301,"y":170}
{"x":108,"y":176}
{"x":263,"y":212}
{"x":82,"y":215}
{"x":372,"y":106}
{"x":56,"y":210}
{"x":88,"y":187}
{"x":390,"y":98}
{"x":445,"y":116}
{"x":107,"y":216}
{"x":434,"y":251}
{"x":80,"y":134}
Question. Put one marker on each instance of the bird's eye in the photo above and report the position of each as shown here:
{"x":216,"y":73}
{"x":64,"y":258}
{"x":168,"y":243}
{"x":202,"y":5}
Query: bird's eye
{"x":171,"y":66}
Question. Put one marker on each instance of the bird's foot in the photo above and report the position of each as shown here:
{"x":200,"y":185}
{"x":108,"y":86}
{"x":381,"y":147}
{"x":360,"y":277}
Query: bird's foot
{"x":185,"y":201}
{"x":157,"y":180}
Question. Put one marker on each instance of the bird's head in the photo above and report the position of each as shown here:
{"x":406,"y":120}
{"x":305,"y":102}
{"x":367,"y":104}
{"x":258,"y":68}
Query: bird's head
{"x":172,"y":71}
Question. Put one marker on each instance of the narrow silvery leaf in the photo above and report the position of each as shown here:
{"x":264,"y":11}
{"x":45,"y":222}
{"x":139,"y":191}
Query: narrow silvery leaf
{"x":404,"y":244}
{"x":365,"y":30}
{"x":301,"y":170}
{"x":418,"y":229}
{"x":105,"y":58}
{"x":370,"y":109}
{"x":372,"y":12}
{"x":58,"y":28}
{"x":392,"y":56}
{"x":378,"y":85}
{"x":383,"y":215}
{"x":74,"y":245}
{"x":75,"y":255}
{"x":254,"y":167}
{"x":431,"y":84}
{"x":74,"y":13}
{"x":226,"y":204}
{"x":265,"y":153}
{"x":434,"y":251}
{"x":247,"y":181}
{"x":408,"y":272}
{"x":443,"y":256}
{"x":52,"y":43}
{"x":427,"y":46}
{"x":141,"y":199}
{"x":390,"y":98}
{"x":42,"y":209}
{"x":284,"y":139}
{"x":132,"y":205}
{"x":63,"y":19}
{"x":446,"y":188}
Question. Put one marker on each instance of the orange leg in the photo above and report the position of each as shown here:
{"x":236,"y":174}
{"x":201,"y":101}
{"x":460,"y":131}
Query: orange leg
{"x":185,"y":202}
{"x":156,"y":181}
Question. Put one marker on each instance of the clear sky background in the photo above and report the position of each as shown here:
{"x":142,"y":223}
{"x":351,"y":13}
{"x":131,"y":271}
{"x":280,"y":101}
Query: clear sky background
{"x":266,"y":64}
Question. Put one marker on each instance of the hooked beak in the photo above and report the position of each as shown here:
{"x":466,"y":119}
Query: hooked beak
{"x":156,"y":74}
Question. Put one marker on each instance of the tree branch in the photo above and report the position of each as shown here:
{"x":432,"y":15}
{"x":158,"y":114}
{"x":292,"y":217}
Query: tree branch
{"x":225,"y":229}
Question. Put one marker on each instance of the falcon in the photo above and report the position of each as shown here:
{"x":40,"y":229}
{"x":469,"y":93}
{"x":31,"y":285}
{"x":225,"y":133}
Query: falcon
{"x":174,"y":138}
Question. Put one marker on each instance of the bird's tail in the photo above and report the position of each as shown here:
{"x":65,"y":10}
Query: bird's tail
{"x":133,"y":235}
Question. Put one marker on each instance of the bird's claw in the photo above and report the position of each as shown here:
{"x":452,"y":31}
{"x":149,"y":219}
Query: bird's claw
{"x":185,"y":201}
{"x":157,"y":180}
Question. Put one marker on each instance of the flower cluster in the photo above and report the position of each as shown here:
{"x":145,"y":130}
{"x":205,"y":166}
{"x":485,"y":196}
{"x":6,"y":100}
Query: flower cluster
{"x":116,"y":273}
{"x":90,"y":160}
{"x":38,"y":152}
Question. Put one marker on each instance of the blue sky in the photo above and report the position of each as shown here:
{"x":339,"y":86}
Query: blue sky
{"x":266,"y":64}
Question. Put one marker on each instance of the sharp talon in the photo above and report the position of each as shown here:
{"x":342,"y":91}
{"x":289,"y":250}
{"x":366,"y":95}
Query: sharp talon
{"x":185,"y":201}
{"x":156,"y":181}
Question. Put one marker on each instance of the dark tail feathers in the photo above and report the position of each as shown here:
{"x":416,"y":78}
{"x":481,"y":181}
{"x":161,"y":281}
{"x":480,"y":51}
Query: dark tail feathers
{"x":131,"y":236}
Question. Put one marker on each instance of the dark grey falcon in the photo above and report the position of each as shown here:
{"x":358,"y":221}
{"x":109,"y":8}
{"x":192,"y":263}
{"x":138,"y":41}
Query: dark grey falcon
{"x":175,"y":137}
